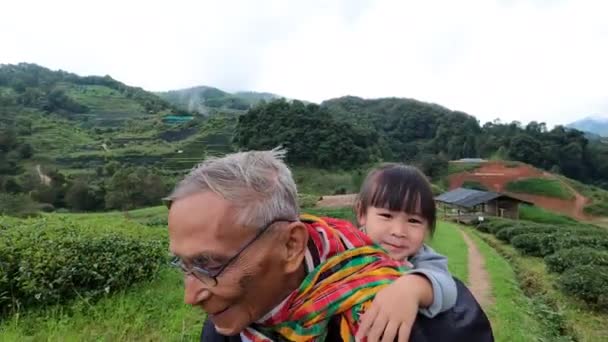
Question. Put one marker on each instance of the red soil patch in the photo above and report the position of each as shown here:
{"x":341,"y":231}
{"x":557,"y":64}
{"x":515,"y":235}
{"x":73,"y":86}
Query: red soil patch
{"x":495,"y":176}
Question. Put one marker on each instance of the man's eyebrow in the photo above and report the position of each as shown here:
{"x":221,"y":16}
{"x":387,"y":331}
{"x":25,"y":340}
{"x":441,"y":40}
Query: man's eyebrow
{"x":206,"y":257}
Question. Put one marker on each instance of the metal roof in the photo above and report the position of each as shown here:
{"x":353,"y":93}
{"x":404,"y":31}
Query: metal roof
{"x":468,"y":198}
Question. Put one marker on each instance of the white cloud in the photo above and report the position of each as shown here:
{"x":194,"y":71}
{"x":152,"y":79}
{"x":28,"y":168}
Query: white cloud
{"x":517,"y":60}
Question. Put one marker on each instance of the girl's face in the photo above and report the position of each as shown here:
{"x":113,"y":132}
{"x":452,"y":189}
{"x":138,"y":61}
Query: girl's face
{"x":401,"y":234}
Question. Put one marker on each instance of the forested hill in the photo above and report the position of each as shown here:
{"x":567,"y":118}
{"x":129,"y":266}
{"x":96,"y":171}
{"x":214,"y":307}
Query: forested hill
{"x":350,"y":128}
{"x":209,"y":100}
{"x":78,"y":142}
{"x":100,"y":101}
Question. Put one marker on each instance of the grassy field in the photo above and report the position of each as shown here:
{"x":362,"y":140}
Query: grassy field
{"x":152,"y":311}
{"x":562,"y":313}
{"x":538,"y":214}
{"x":598,"y":197}
{"x":323,"y":182}
{"x":457,"y":167}
{"x":542,"y":187}
{"x":513,"y":315}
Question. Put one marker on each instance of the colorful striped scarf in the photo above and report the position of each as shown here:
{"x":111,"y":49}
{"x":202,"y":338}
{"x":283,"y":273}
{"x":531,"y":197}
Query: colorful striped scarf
{"x":345,"y":271}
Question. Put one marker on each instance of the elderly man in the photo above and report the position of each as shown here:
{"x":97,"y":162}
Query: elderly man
{"x":261,"y":272}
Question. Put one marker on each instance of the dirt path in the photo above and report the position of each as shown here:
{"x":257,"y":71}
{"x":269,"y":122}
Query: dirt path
{"x":479,"y":279}
{"x":44,"y":179}
{"x":337,"y":201}
{"x":580,"y":202}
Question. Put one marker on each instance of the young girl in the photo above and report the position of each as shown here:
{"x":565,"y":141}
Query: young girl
{"x":396,"y":209}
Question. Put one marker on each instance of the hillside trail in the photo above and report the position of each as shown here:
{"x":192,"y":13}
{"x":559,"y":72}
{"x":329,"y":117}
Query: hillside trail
{"x":580,"y":201}
{"x":44,"y":179}
{"x":337,"y":201}
{"x":479,"y":279}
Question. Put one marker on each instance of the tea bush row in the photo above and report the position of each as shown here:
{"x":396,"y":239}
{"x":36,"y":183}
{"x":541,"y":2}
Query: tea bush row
{"x":51,"y":260}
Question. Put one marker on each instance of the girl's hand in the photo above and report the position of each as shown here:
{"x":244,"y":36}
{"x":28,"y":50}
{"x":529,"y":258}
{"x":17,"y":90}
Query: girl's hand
{"x":394,"y":309}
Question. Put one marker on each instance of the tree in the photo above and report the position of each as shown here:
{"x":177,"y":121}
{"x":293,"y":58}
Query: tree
{"x":526,"y":149}
{"x":130,"y":188}
{"x":25,"y":151}
{"x":82,"y":197}
{"x":434,"y":166}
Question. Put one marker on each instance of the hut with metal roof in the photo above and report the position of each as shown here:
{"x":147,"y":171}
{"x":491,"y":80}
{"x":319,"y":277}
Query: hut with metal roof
{"x":466,"y":205}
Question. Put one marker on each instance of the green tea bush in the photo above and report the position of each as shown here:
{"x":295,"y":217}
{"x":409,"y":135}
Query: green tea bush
{"x":565,"y":240}
{"x":53,"y":259}
{"x":587,"y":282}
{"x":528,"y":243}
{"x":505,"y":234}
{"x":493,"y":225}
{"x":483,"y":227}
{"x":496,"y":226}
{"x":566,"y":259}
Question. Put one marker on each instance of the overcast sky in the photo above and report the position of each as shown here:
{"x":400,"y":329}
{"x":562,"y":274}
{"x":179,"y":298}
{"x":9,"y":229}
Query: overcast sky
{"x":544,"y":60}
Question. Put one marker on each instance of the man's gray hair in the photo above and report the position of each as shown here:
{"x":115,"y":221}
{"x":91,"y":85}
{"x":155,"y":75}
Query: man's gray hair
{"x":257,"y":183}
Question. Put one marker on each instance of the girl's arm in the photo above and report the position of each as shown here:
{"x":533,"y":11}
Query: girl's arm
{"x":434,"y":267}
{"x":427,"y":289}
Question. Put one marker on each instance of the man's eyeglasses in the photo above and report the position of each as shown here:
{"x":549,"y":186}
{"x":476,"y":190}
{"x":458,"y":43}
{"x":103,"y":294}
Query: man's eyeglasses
{"x":208,"y":277}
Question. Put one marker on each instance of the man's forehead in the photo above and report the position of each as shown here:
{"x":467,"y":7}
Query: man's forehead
{"x":202,"y":223}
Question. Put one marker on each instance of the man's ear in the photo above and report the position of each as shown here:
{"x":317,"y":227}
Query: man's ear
{"x":295,"y":243}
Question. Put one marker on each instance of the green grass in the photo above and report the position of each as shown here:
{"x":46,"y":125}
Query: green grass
{"x":512,"y":314}
{"x":342,"y":213}
{"x":152,"y":311}
{"x":559,"y":311}
{"x":598,"y":197}
{"x":325,"y":182}
{"x":56,"y":136}
{"x":475,"y":185}
{"x":540,"y":215}
{"x":457,"y":167}
{"x":448,"y":241}
{"x":542,"y":187}
{"x":105,"y":102}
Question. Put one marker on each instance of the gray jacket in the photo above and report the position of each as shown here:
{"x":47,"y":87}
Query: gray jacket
{"x":434,"y":267}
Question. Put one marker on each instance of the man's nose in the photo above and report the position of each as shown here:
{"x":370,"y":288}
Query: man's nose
{"x":194,"y":290}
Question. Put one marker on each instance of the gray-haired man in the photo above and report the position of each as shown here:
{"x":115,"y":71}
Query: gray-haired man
{"x":253,"y":266}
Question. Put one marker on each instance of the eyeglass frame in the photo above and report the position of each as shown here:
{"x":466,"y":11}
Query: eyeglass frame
{"x":178,"y":262}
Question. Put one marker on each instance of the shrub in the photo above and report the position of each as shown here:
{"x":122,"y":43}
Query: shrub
{"x":156,"y":221}
{"x":17,"y":205}
{"x":528,"y":243}
{"x":570,"y":258}
{"x":587,"y":282}
{"x":506,"y":234}
{"x":484,"y":226}
{"x":307,"y":200}
{"x":597,"y":241}
{"x":496,"y":225}
{"x":50,"y":260}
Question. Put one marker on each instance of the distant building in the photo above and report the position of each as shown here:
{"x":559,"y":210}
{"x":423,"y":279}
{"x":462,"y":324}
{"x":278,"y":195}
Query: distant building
{"x":466,"y":205}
